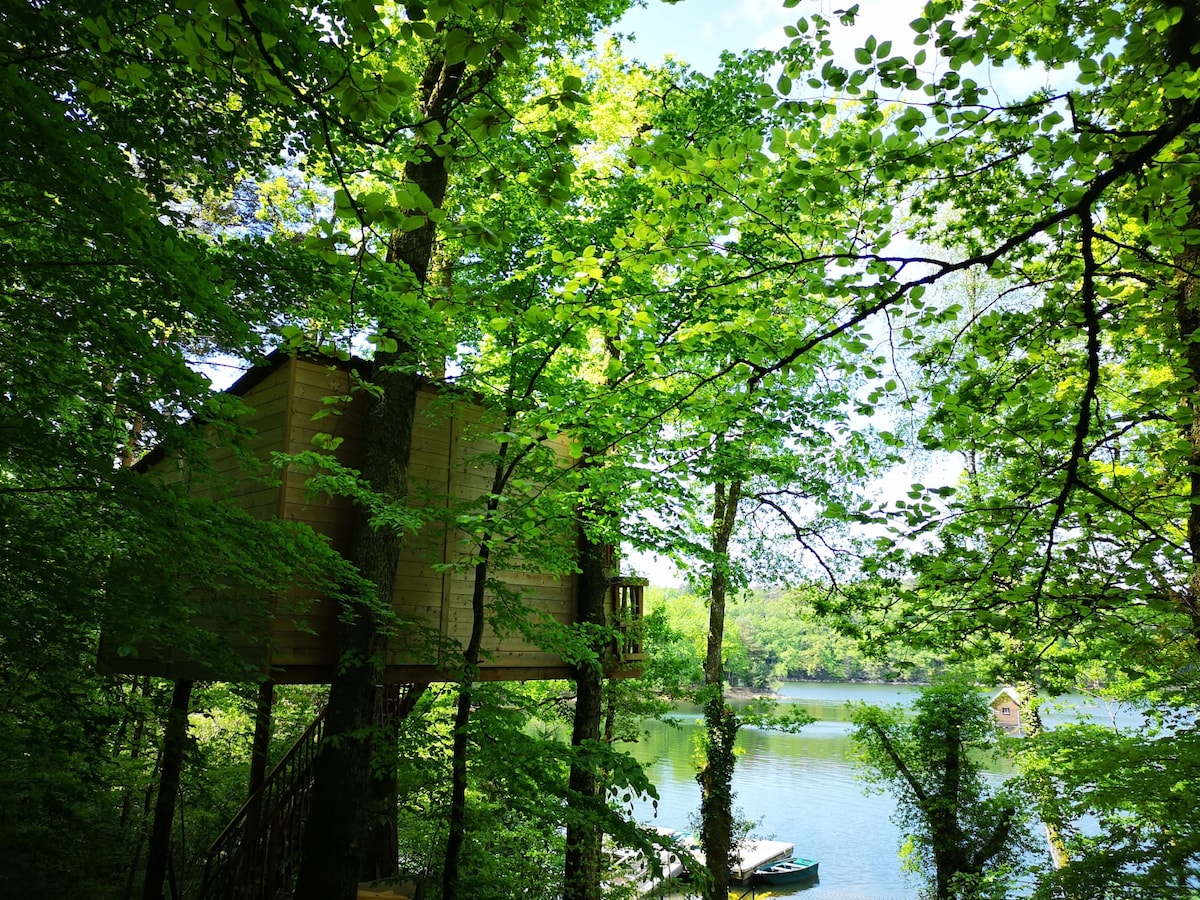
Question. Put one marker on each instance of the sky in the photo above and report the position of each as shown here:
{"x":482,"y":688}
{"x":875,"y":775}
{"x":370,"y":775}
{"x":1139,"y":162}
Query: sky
{"x":696,"y":31}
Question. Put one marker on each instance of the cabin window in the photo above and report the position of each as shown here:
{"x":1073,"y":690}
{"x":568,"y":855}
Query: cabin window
{"x":1005,"y":711}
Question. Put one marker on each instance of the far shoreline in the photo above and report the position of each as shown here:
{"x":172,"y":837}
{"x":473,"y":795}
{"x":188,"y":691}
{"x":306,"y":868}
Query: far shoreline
{"x":739,"y":692}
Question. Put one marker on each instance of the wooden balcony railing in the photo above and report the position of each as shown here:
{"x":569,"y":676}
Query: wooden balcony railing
{"x":626,"y":607}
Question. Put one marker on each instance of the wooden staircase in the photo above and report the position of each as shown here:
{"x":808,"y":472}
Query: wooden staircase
{"x":257,"y":856}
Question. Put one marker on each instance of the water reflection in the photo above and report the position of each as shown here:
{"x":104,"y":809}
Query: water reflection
{"x":799,"y":788}
{"x":803,"y":788}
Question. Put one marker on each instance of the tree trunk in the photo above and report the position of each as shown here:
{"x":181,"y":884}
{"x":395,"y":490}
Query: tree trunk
{"x":175,"y":735}
{"x":1182,"y":54}
{"x":336,"y":829}
{"x":380,"y":854}
{"x":945,"y":834}
{"x":258,"y":754}
{"x":581,"y":867}
{"x":720,"y":723}
{"x":1187,"y":314}
{"x":394,"y":704}
{"x":457,"y":826}
{"x":335,"y":834}
{"x":583,"y":859}
{"x":139,"y":686}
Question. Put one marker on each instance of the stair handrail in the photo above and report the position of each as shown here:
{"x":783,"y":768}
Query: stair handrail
{"x":260,"y":861}
{"x":279,"y":785}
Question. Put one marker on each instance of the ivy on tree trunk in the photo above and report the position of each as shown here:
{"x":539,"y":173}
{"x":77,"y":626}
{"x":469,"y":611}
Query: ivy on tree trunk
{"x":581,"y":871}
{"x":720,"y":722}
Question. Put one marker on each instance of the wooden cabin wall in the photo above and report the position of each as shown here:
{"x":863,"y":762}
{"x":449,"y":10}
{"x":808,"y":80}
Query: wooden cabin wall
{"x":435,"y":579}
{"x":446,"y":469}
{"x":303,"y":633}
{"x":246,"y":478}
{"x":436,"y":600}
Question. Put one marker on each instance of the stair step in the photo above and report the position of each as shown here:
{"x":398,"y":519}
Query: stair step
{"x":387,"y":889}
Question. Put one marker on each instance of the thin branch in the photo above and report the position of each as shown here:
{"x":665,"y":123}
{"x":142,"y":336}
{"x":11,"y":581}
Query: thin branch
{"x":1091,"y":318}
{"x":1123,"y":167}
{"x":799,"y":533}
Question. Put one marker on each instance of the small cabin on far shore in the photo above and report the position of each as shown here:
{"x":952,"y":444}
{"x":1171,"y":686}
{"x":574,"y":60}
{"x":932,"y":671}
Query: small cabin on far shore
{"x":1006,"y":708}
{"x":299,"y":404}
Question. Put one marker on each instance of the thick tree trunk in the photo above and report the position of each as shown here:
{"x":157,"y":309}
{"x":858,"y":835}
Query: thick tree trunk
{"x":336,"y":829}
{"x":174,"y":737}
{"x":394,"y":704}
{"x":1182,"y":54}
{"x":381,"y":851}
{"x":942,"y":812}
{"x":581,"y":869}
{"x":1187,"y":314}
{"x":335,"y":835}
{"x":721,"y":725}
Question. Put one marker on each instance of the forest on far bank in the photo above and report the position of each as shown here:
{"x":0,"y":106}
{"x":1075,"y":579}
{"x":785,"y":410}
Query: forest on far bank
{"x":773,"y":636}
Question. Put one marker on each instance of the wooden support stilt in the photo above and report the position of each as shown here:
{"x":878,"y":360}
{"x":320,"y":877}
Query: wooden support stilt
{"x":258,"y":754}
{"x":168,"y":789}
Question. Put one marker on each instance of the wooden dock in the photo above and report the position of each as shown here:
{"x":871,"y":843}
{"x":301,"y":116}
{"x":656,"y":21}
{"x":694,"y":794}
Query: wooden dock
{"x":751,"y":854}
{"x":634,"y":869}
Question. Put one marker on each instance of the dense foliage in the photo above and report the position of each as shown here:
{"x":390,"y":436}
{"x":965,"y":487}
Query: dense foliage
{"x":773,"y":637}
{"x":739,"y":298}
{"x":969,"y":839}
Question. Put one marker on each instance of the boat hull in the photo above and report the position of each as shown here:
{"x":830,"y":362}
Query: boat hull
{"x":787,"y":871}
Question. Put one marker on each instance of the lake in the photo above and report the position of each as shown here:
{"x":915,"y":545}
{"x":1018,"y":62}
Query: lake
{"x":802,"y":788}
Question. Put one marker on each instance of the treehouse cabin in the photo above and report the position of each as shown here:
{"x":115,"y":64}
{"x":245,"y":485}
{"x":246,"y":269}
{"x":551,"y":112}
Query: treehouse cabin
{"x":296,"y":404}
{"x":1006,"y":708}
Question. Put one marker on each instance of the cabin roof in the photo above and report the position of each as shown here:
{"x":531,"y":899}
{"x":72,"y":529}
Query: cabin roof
{"x":256,"y":375}
{"x":259,"y":372}
{"x":1006,"y":694}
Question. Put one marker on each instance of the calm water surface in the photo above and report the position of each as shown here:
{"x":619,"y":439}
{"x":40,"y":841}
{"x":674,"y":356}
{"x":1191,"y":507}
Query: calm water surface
{"x":801,"y":788}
